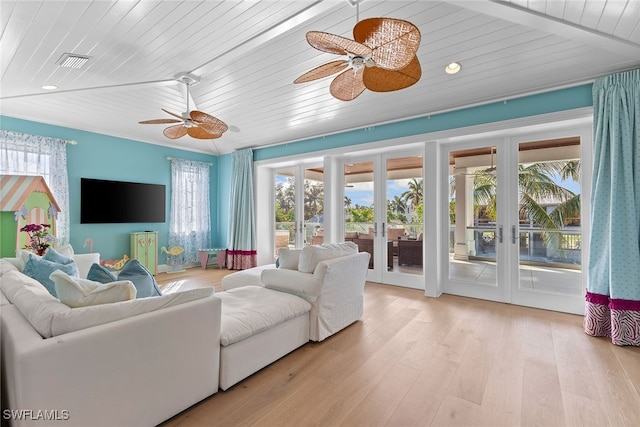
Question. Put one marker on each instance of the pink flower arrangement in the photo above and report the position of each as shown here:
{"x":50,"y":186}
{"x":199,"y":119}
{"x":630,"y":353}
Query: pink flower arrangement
{"x":39,"y":237}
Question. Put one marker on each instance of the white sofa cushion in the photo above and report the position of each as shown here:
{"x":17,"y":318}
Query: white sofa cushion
{"x":288,"y":258}
{"x":78,"y":292}
{"x":313,"y":254}
{"x":33,"y":300}
{"x":86,"y":317}
{"x":250,"y":276}
{"x":50,"y":317}
{"x":249,"y":310}
{"x":10,"y":264}
{"x":295,"y":282}
{"x":84,"y":263}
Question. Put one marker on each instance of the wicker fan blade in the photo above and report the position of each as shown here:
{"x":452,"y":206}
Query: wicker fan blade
{"x":394,"y":42}
{"x":200,"y":133}
{"x":323,"y":70}
{"x":381,"y":80}
{"x":175,"y":132}
{"x":339,"y":45}
{"x":347,"y":85}
{"x":208,"y":123}
{"x":173,"y":114}
{"x":159,"y":121}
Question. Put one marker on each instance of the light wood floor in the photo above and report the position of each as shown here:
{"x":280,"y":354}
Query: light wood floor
{"x":418,"y":361}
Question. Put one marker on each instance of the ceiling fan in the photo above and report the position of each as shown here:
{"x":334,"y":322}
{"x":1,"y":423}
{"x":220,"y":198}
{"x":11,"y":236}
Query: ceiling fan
{"x":490,"y":170}
{"x":381,"y":58}
{"x":194,"y":123}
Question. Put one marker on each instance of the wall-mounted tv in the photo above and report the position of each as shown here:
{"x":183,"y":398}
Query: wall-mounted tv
{"x":104,"y":202}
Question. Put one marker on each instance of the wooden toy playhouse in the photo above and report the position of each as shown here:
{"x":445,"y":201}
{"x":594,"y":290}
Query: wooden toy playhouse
{"x":24,"y":200}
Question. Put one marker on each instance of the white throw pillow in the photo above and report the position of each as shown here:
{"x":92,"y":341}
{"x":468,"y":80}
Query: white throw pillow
{"x":314,"y":254}
{"x":289,"y":258}
{"x":77,"y":292}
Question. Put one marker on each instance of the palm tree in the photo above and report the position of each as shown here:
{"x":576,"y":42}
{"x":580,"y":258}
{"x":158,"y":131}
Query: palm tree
{"x":396,"y":209}
{"x":313,"y":199}
{"x":535,"y":186}
{"x":414,"y":195}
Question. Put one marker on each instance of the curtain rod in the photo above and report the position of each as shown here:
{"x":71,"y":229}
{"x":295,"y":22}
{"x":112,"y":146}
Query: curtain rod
{"x":174,"y":158}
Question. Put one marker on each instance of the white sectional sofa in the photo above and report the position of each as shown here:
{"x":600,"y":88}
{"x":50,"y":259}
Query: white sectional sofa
{"x":132,"y":363}
{"x":325,"y":285}
{"x":142,"y":361}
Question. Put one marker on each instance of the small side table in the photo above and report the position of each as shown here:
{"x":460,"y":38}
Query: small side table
{"x":204,"y":256}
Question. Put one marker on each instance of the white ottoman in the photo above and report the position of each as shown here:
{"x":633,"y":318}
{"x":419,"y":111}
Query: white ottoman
{"x":258,"y":327}
{"x":247,"y":277}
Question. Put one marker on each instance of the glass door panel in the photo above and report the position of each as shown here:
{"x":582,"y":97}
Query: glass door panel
{"x":515,"y":222}
{"x":404,"y":215}
{"x":285,"y":210}
{"x":549,"y":234}
{"x":359,"y":209}
{"x":313,"y":206}
{"x":473,"y":215}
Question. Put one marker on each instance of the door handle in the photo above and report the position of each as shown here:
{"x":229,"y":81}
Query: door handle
{"x":500,"y":234}
{"x":514,"y":234}
{"x":383,"y":229}
{"x":375,"y":229}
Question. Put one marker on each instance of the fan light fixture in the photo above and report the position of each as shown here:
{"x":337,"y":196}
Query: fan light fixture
{"x":194,"y":123}
{"x":381,"y":57}
{"x":452,"y":68}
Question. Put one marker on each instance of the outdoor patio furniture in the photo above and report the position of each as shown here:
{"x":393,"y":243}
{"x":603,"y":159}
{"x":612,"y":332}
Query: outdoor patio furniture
{"x":410,"y":252}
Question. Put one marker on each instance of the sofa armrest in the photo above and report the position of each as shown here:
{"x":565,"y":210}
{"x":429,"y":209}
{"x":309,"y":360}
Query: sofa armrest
{"x":136,"y":371}
{"x":341,"y":298}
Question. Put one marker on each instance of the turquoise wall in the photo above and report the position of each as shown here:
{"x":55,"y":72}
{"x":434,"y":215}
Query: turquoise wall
{"x":224,"y":190}
{"x":543,"y":103}
{"x":105,"y":157}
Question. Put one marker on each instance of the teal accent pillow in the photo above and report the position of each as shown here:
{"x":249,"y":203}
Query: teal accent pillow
{"x":142,"y":278}
{"x":40,"y":268}
{"x":98,"y":273}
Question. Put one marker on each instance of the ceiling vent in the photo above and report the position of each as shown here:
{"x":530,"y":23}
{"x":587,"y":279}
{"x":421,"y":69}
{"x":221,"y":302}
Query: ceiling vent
{"x":72,"y":60}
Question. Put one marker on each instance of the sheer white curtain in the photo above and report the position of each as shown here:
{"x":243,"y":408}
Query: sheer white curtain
{"x":25,"y":154}
{"x":190,"y":223}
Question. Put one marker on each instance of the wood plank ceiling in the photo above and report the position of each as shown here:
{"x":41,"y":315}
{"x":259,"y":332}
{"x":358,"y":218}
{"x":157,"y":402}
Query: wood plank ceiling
{"x":246,"y":55}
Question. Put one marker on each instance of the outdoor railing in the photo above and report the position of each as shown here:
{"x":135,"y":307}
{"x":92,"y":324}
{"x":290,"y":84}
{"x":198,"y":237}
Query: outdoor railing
{"x":538,"y":245}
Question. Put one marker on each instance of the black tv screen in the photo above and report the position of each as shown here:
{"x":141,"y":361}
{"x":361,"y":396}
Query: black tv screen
{"x":103,"y":202}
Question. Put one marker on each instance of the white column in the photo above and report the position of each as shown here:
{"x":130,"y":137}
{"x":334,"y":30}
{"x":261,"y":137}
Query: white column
{"x":460,"y":251}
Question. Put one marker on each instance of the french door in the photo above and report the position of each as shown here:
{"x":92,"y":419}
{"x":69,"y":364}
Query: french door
{"x":512,"y":214}
{"x":383,"y":211}
{"x":299,"y":207}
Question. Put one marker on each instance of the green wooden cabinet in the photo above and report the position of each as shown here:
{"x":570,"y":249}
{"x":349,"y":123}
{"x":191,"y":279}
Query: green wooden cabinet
{"x":144,"y":248}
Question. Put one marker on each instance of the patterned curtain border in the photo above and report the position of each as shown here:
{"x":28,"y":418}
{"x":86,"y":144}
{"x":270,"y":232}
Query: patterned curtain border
{"x":617,"y":319}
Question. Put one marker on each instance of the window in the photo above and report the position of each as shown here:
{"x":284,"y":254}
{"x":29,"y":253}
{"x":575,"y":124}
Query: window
{"x":190,"y":224}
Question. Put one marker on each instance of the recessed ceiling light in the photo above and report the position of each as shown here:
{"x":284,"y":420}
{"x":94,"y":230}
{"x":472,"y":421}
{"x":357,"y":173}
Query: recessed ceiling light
{"x":49,"y":87}
{"x":452,"y":68}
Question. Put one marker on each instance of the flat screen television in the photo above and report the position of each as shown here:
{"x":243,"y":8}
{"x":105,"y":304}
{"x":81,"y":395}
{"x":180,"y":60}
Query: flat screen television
{"x":105,"y":202}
